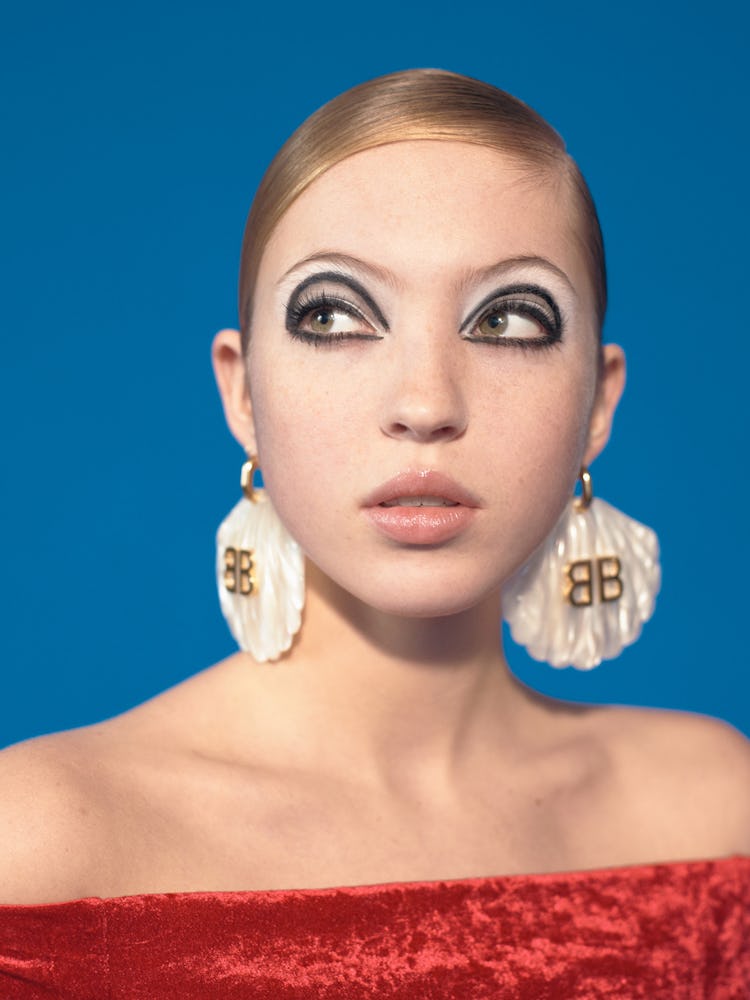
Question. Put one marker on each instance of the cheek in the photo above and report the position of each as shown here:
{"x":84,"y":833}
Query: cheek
{"x":538,"y":447}
{"x":539,"y":413}
{"x":553,"y":437}
{"x":306,"y":438}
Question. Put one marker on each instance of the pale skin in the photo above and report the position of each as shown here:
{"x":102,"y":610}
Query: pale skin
{"x":392,"y":743}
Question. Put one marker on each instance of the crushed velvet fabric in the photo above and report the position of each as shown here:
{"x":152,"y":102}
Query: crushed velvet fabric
{"x":679,"y":931}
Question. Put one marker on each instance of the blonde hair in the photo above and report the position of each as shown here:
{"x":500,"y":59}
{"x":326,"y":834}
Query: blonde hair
{"x":413,"y":104}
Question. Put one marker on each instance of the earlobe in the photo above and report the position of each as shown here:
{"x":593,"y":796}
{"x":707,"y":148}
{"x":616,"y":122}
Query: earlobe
{"x":609,"y":391}
{"x":231,"y":378}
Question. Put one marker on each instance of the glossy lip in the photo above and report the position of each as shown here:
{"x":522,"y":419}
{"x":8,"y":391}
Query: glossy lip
{"x":426,"y":483}
{"x":421,"y":525}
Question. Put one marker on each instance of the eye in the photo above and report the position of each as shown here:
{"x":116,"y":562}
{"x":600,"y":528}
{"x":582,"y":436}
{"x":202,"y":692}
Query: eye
{"x":322,"y":320}
{"x":512,"y":326}
{"x":324,"y":317}
{"x":329,"y":319}
{"x":525,"y":315}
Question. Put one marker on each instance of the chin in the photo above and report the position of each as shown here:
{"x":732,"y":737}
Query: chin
{"x":423,"y":603}
{"x":431,"y":589}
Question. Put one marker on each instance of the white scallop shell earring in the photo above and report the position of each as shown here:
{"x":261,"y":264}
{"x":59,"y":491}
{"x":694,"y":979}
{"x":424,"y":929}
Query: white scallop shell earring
{"x":260,"y":572}
{"x":586,"y":592}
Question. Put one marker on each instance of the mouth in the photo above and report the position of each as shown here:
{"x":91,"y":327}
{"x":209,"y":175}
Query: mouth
{"x":425,"y":488}
{"x":422,"y":508}
{"x":419,"y":502}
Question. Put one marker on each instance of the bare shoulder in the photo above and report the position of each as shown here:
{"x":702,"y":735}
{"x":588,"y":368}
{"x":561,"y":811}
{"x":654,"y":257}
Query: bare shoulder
{"x":78,"y":809}
{"x":691,"y":749}
{"x":48,"y":817}
{"x":684,"y":777}
{"x":63,"y":799}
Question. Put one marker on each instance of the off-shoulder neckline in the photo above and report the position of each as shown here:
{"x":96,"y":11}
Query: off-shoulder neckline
{"x":470,"y":882}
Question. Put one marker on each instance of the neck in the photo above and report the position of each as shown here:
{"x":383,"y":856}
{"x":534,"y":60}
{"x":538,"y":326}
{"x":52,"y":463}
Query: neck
{"x":393,"y":698}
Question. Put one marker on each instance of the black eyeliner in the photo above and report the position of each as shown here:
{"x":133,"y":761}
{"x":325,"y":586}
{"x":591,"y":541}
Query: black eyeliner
{"x":323,"y":339}
{"x":339,"y":278}
{"x":508,"y":292}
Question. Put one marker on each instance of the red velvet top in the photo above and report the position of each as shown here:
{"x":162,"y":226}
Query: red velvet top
{"x":679,"y":931}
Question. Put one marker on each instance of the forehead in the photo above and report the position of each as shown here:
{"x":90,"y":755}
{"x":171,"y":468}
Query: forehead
{"x":426,"y":207}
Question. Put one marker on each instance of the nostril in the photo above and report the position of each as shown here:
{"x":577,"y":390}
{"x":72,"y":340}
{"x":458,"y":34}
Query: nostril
{"x":424,"y":432}
{"x":424,"y":412}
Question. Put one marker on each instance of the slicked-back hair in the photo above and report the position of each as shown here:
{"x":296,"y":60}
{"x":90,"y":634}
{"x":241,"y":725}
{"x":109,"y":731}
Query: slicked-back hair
{"x":411,"y":105}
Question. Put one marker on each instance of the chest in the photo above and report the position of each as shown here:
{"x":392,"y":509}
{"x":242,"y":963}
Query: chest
{"x":268,"y":833}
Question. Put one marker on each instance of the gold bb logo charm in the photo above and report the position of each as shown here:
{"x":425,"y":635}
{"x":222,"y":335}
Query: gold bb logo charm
{"x":580,"y":576}
{"x":239,"y":571}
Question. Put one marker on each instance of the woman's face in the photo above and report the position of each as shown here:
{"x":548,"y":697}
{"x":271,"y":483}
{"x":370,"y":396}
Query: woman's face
{"x":423,"y":371}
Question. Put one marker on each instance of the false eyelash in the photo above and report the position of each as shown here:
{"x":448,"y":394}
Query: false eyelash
{"x":325,"y":339}
{"x":515,"y":298}
{"x":543,"y":344}
{"x":551,"y":325}
{"x":525,"y":308}
{"x":298,"y":308}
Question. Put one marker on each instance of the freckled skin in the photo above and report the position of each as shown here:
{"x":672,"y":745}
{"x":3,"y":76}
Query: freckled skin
{"x":510,"y":425}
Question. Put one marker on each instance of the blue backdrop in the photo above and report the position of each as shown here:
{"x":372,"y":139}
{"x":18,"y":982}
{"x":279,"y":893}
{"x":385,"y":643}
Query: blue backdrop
{"x":134,"y":136}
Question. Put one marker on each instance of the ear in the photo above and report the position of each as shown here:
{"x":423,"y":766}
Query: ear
{"x":609,"y":390}
{"x":231,"y":377}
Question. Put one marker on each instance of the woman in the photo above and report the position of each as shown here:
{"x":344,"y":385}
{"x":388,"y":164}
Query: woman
{"x":420,"y":377}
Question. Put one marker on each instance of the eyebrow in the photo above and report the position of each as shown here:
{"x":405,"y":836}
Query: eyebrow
{"x":343,"y":260}
{"x":474,"y":276}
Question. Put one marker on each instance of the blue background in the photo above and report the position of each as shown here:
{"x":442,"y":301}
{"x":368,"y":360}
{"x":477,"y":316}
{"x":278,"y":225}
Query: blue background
{"x":134,"y":136}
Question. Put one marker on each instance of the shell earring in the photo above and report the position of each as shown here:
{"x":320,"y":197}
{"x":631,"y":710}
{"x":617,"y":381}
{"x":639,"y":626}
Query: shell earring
{"x":586,"y":592}
{"x":260,"y":572}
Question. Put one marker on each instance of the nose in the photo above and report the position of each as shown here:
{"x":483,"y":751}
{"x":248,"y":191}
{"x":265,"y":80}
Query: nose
{"x":424,"y":399}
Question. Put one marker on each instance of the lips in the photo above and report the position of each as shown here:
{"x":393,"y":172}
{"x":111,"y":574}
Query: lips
{"x":420,"y":508}
{"x":427,"y":484}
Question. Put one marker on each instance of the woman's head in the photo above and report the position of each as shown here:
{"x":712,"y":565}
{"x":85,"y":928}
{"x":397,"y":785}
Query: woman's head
{"x":425,"y":310}
{"x":418,"y":104}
